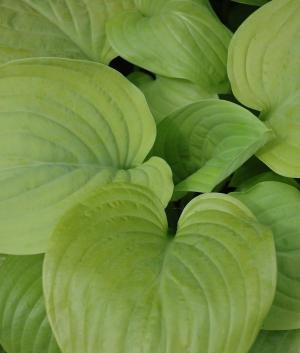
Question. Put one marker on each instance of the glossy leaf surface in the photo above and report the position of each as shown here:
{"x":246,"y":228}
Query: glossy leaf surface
{"x":67,"y":127}
{"x":204,"y":142}
{"x":115,"y":263}
{"x":24,"y":326}
{"x":179,"y":39}
{"x":277,"y":205}
{"x":164,"y":94}
{"x":72,"y":29}
{"x":263,"y":67}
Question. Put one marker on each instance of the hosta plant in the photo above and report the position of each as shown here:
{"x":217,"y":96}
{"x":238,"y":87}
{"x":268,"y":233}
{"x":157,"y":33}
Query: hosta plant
{"x":153,"y":208}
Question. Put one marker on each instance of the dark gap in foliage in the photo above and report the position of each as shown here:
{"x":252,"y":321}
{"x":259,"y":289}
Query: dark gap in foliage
{"x":121,"y":65}
{"x":222,"y":9}
{"x":231,"y":98}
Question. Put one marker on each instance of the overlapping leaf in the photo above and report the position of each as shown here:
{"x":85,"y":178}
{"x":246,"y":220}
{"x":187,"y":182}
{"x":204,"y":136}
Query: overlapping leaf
{"x":49,"y":28}
{"x":179,"y":39}
{"x":67,"y":127}
{"x":263,"y":67}
{"x":117,"y":280}
{"x":277,"y":342}
{"x":206,"y":141}
{"x":164,"y":94}
{"x":24,"y":326}
{"x":277,"y":205}
{"x":249,"y":169}
{"x":267,"y":176}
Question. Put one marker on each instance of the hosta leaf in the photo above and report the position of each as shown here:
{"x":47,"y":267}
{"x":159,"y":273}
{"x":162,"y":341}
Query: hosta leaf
{"x":116,"y":280}
{"x":24,"y":326}
{"x":267,"y":176}
{"x":277,"y":205}
{"x":67,"y":28}
{"x":277,"y":342}
{"x":249,"y":169}
{"x":164,"y":94}
{"x":67,"y":127}
{"x":179,"y":39}
{"x":206,"y":141}
{"x":2,"y":258}
{"x":264,"y":72}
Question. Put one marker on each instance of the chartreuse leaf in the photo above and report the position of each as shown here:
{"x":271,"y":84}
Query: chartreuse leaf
{"x":277,"y":342}
{"x":277,"y":205}
{"x":252,"y":2}
{"x":263,"y":67}
{"x":67,"y":28}
{"x":67,"y":127}
{"x":117,"y":280}
{"x":24,"y":326}
{"x":164,"y":94}
{"x":206,"y":141}
{"x":179,"y":39}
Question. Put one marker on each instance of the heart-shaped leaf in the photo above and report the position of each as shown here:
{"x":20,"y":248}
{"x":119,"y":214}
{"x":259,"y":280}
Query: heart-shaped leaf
{"x":277,"y":342}
{"x":179,"y":39}
{"x":117,"y":280}
{"x":263,"y":67}
{"x":204,"y":142}
{"x":24,"y":326}
{"x":66,"y":28}
{"x":164,"y":94}
{"x":277,"y":205}
{"x":67,"y":127}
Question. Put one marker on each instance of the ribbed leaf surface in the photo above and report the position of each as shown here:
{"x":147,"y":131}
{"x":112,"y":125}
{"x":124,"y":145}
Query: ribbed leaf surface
{"x":164,"y":94}
{"x":67,"y":127}
{"x":277,"y":205}
{"x":263,"y":67}
{"x":179,"y":39}
{"x":116,"y":280}
{"x":206,"y":141}
{"x":67,"y":28}
{"x":24,"y":326}
{"x":277,"y":342}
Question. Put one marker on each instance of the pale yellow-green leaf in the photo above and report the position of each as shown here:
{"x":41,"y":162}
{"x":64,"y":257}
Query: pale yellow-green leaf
{"x":49,"y":28}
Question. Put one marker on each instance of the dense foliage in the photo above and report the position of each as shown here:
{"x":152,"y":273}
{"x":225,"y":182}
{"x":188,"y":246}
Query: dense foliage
{"x":149,"y":176}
